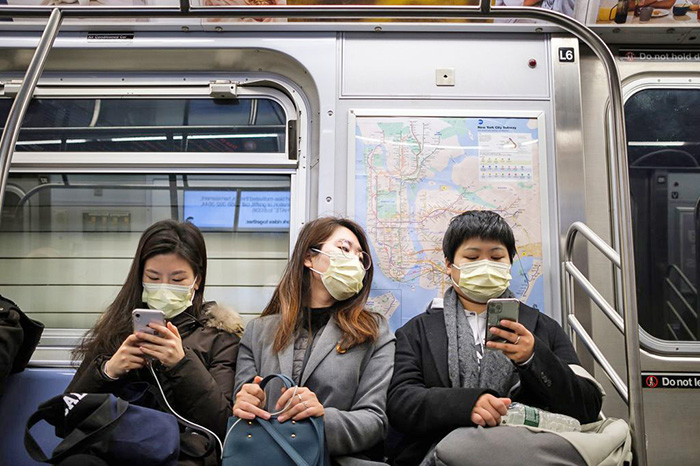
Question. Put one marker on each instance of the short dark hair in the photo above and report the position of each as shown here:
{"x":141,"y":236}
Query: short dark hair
{"x":484,"y":224}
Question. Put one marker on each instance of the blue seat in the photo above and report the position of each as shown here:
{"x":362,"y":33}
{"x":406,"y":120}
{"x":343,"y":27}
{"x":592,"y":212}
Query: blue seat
{"x":24,"y":393}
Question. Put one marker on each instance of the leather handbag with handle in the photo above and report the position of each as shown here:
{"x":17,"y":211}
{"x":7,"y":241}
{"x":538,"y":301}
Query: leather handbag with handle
{"x":270,"y":442}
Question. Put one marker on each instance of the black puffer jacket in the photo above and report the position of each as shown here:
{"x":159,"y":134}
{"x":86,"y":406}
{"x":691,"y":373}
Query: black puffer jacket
{"x":200,"y":387}
{"x":19,"y":336}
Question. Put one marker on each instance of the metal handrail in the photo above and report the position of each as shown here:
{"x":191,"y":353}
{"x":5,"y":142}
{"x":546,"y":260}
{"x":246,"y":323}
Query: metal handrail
{"x":24,"y":96}
{"x":573,"y":274}
{"x":593,"y":238}
{"x":683,"y":276}
{"x":619,"y":175}
{"x":595,"y":295}
{"x":682,"y":322}
{"x":680,"y":296}
{"x":599,"y":357}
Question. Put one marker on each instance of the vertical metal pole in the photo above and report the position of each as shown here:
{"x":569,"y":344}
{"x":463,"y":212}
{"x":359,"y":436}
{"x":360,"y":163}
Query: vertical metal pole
{"x":24,"y":96}
{"x":629,"y":297}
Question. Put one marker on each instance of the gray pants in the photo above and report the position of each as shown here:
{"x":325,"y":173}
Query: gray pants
{"x":495,"y":446}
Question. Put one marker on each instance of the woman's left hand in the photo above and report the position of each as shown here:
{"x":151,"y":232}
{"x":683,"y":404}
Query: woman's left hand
{"x":303,"y":404}
{"x":520,"y":345}
{"x":166,"y":347}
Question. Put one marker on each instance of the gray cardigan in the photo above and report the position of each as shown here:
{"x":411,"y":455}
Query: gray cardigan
{"x":351,"y":386}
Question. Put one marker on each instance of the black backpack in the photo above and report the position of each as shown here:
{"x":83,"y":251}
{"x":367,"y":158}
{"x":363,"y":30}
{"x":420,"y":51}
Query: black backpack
{"x":19,"y":336}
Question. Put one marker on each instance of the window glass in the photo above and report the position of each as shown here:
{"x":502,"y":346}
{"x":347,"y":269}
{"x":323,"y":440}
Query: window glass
{"x":664,"y":163}
{"x":153,"y":125}
{"x":67,"y":240}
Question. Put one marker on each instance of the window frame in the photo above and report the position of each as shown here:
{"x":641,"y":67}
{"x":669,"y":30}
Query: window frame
{"x":134,"y":161}
{"x":57,"y":343}
{"x":629,"y":89}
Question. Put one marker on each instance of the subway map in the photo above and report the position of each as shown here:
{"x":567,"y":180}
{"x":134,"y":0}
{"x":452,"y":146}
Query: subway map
{"x":412,"y":175}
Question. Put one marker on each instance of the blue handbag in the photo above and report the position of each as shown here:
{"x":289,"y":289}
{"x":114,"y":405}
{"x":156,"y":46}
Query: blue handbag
{"x":270,"y":442}
{"x":108,"y":427}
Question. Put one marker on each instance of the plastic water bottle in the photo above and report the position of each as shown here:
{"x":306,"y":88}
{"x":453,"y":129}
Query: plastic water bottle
{"x":523,"y":415}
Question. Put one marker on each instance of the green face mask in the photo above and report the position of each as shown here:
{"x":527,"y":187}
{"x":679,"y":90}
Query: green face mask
{"x":483,"y":280}
{"x":171,"y":299}
{"x":344,"y":276}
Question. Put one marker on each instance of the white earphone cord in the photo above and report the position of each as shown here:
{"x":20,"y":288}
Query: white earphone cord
{"x":186,"y":421}
{"x":286,"y":407}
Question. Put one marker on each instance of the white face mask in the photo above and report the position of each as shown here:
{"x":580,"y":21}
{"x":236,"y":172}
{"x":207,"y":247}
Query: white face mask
{"x":171,"y":299}
{"x":343,"y":278}
{"x":483,"y":280}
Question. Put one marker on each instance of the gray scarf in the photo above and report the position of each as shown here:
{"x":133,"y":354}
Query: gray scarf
{"x":496,"y":371}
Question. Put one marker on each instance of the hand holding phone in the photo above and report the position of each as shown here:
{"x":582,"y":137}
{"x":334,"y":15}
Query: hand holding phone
{"x":142,"y":317}
{"x":499,"y":309}
{"x":166,"y":345}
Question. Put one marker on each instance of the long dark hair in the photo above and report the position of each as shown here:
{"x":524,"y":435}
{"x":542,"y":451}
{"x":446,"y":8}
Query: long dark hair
{"x":164,"y":237}
{"x":357,"y":324}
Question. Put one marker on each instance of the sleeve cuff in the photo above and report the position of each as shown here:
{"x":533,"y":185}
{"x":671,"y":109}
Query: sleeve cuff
{"x":101,"y":370}
{"x":526,"y":364}
{"x":171,"y":371}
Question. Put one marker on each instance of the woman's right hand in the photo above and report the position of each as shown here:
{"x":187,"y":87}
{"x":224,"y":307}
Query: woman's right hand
{"x":488,"y":410}
{"x":249,"y":401}
{"x":127,"y":357}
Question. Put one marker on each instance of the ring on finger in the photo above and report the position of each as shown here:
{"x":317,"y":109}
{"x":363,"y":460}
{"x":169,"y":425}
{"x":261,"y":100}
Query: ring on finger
{"x":516,"y":340}
{"x":305,"y":405}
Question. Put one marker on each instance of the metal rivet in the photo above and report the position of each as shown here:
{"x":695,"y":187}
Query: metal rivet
{"x":294,"y":435}
{"x":250,"y":435}
{"x":218,"y":29}
{"x":294,"y":422}
{"x":330,"y":112}
{"x":538,"y":30}
{"x":378,"y":29}
{"x":250,"y":423}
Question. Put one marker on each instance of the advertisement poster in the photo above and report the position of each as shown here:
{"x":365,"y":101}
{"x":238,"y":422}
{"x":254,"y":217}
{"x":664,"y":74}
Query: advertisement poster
{"x":648,"y":12}
{"x":563,"y":6}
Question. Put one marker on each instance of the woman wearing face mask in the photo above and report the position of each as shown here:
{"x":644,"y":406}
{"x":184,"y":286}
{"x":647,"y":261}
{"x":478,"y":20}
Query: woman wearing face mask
{"x":194,"y":355}
{"x":316,"y":330}
{"x":445,"y":379}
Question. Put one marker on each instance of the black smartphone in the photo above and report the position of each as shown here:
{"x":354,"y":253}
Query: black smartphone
{"x":498,"y":309}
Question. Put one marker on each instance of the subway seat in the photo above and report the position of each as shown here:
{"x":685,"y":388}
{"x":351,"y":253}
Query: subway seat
{"x":24,"y":393}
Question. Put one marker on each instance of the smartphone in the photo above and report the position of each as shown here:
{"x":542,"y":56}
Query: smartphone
{"x":497,"y":310}
{"x":142,"y":317}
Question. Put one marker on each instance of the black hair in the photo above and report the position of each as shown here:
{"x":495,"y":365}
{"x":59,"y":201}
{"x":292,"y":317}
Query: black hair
{"x":164,"y":237}
{"x":484,"y":224}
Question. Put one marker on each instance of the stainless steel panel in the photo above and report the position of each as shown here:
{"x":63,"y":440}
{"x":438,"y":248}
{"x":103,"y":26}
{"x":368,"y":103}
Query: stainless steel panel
{"x":403,"y":66}
{"x":569,"y":146}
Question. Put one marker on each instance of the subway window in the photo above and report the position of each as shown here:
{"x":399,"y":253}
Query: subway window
{"x":663,"y":145}
{"x":67,"y":241}
{"x":68,"y":236}
{"x":250,"y":125}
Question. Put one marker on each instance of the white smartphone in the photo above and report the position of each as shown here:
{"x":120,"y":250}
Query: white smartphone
{"x":142,"y":317}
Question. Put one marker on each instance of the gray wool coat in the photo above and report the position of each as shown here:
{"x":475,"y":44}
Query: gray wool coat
{"x":351,"y":386}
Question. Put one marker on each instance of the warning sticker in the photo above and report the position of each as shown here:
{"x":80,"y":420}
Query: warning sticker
{"x":670,"y":380}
